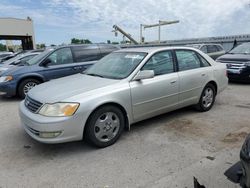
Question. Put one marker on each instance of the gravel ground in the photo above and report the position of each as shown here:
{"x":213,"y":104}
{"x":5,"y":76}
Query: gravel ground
{"x":165,"y":151}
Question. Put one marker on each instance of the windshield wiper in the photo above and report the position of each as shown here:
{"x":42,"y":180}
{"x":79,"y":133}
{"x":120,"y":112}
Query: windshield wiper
{"x":92,"y":74}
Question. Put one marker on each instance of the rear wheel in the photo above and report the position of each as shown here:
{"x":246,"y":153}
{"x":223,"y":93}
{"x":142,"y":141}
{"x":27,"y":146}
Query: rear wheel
{"x":105,"y":126}
{"x":26,"y":85}
{"x":207,"y":98}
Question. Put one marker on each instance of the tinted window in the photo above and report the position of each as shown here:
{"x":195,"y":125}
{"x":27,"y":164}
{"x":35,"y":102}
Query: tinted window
{"x":61,"y":56}
{"x":204,"y":49}
{"x":86,"y":53}
{"x":211,"y":48}
{"x":219,"y":48}
{"x":161,"y":63}
{"x":187,"y":60}
{"x":106,"y":49}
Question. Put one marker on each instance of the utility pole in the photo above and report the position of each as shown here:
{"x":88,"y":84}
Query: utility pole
{"x":161,"y":23}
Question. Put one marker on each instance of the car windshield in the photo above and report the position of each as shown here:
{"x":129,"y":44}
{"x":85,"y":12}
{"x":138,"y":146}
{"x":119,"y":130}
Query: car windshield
{"x":117,"y":65}
{"x":241,"y":49}
{"x":39,"y":57}
{"x":11,"y":60}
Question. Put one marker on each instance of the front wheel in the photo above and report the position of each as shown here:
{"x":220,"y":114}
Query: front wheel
{"x":26,"y":85}
{"x":207,"y":98}
{"x":105,"y":126}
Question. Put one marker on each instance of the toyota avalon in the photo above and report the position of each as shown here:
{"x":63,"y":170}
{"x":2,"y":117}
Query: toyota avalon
{"x":124,"y":87}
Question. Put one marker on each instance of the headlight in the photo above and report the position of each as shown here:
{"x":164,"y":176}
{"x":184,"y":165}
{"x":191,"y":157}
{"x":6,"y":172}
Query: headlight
{"x":5,"y":78}
{"x":59,"y":109}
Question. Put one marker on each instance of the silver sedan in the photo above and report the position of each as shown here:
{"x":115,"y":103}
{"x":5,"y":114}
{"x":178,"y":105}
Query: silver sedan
{"x":124,"y":87}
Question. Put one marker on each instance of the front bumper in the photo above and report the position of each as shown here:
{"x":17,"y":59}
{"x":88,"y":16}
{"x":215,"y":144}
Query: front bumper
{"x":70,"y":128}
{"x":243,"y":76}
{"x":8,"y":88}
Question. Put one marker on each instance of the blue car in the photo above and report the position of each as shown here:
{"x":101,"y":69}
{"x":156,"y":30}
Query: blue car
{"x":51,"y":64}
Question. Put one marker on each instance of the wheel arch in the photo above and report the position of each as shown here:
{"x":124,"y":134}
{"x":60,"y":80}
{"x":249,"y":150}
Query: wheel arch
{"x":119,"y":106}
{"x":214,"y":84}
{"x":36,"y":77}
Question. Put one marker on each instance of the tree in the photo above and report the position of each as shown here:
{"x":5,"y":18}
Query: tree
{"x":2,"y":47}
{"x":40,"y":46}
{"x":108,"y":42}
{"x":80,"y":41}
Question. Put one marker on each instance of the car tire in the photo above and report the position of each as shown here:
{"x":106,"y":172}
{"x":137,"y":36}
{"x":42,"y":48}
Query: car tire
{"x":104,"y":126}
{"x":26,"y":85}
{"x":207,"y":98}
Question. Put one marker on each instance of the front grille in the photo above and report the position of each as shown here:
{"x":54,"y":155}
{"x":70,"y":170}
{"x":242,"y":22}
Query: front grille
{"x":32,"y":104}
{"x":234,"y":64}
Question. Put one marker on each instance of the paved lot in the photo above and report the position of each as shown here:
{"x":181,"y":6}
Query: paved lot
{"x":165,"y":151}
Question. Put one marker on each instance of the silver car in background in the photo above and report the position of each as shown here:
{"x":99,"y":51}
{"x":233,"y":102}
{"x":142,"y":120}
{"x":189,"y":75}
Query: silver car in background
{"x":212,"y":50}
{"x":124,"y":87}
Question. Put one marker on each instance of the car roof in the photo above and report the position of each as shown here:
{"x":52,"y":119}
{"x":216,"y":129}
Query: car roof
{"x":153,"y":49}
{"x":79,"y":45}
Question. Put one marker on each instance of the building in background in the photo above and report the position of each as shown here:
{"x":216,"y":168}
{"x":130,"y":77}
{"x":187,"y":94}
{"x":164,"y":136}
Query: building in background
{"x":18,"y":29}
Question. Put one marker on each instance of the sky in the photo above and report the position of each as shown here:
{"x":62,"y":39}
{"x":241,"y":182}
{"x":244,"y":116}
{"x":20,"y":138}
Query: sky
{"x":57,"y":21}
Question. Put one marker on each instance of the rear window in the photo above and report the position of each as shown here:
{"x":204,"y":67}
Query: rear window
{"x":211,"y":49}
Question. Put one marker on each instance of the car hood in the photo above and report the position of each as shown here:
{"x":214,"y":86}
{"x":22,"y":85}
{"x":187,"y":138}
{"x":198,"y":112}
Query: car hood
{"x":11,"y":69}
{"x":4,"y":67}
{"x":67,"y":87}
{"x":235,"y":57}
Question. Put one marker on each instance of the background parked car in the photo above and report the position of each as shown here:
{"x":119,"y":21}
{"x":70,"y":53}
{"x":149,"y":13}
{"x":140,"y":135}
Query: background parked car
{"x":19,"y":53}
{"x":238,"y":63}
{"x":5,"y":55}
{"x":124,"y":87}
{"x":213,"y":50}
{"x":19,"y":59}
{"x":51,"y":64}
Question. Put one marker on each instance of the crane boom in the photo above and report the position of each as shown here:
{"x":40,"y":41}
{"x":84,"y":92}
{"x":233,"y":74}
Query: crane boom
{"x":117,"y":28}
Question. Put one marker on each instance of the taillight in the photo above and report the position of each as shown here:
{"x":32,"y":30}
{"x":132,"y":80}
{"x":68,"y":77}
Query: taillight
{"x":226,"y":73}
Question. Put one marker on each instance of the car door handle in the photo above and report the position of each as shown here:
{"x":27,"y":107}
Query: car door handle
{"x":77,"y":68}
{"x":172,"y":82}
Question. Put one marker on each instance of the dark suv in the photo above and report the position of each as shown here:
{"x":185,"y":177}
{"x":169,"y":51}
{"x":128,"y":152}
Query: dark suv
{"x":238,"y":63}
{"x":51,"y":64}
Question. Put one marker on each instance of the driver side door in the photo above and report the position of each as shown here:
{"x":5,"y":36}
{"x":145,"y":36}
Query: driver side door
{"x":61,"y":64}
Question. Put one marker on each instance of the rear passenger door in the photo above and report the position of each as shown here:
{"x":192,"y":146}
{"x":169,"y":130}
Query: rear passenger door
{"x":85,"y":55}
{"x":61,"y":64}
{"x":193,"y":71}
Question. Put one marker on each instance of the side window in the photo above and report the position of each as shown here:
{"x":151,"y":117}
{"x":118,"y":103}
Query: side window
{"x":61,"y":56}
{"x":211,"y":49}
{"x":204,"y":62}
{"x":204,"y":49}
{"x":86,"y":53}
{"x":106,"y":49}
{"x":161,"y":63}
{"x":219,"y":48}
{"x":187,"y":60}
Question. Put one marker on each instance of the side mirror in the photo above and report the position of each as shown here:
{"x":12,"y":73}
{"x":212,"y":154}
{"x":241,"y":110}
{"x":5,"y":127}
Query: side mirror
{"x":145,"y":74}
{"x":46,"y":62}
